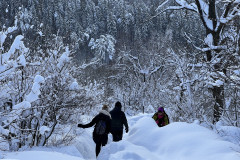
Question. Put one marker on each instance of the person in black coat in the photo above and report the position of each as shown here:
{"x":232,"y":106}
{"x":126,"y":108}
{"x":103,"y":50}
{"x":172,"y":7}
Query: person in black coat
{"x":100,"y":138}
{"x":118,"y":120}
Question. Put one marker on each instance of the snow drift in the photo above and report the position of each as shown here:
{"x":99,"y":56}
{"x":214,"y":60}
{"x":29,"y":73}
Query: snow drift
{"x":177,"y":141}
{"x":145,"y":141}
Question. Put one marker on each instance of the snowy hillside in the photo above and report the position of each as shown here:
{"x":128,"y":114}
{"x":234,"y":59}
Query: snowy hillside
{"x":145,"y":141}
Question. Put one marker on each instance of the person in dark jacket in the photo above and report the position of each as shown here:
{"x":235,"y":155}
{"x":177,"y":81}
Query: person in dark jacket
{"x":100,"y":138}
{"x":118,"y":120}
{"x":161,"y":117}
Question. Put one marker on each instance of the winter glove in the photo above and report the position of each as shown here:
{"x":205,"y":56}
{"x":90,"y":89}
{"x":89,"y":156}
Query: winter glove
{"x":126,"y":130}
{"x":80,"y":125}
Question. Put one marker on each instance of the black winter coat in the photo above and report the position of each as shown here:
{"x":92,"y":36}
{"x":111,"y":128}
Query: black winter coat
{"x":118,"y":119}
{"x":101,"y":116}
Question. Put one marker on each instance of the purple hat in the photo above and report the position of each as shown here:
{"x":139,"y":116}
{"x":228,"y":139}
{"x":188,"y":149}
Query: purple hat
{"x":160,"y":109}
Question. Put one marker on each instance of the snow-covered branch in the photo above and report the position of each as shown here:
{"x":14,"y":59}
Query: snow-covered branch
{"x":230,"y":11}
{"x":212,"y":48}
{"x":182,"y":4}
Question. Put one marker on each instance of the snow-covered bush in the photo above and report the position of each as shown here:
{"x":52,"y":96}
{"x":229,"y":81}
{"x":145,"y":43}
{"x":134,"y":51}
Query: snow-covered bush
{"x":59,"y":94}
{"x":43,"y":93}
{"x":15,"y":83}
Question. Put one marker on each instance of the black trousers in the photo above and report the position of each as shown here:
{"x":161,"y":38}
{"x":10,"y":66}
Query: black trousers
{"x":100,"y":140}
{"x":117,"y":135}
{"x":98,"y":148}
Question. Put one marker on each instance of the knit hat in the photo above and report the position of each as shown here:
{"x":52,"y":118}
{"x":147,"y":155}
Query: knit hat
{"x":118,"y":104}
{"x":105,"y":107}
{"x":160,"y":109}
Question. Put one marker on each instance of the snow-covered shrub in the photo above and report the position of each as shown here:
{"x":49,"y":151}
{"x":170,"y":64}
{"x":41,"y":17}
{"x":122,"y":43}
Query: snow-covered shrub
{"x":14,"y":86}
{"x":58,"y":96}
{"x":63,"y":135}
{"x":43,"y":93}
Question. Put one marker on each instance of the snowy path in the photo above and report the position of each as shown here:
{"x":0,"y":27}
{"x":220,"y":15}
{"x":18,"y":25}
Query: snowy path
{"x":177,"y":141}
{"x":146,"y":141}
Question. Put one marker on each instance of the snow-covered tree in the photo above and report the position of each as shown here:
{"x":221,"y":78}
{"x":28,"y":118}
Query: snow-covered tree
{"x":104,"y":48}
{"x":14,"y":84}
{"x":58,"y":96}
{"x":215,"y":17}
{"x":43,"y":93}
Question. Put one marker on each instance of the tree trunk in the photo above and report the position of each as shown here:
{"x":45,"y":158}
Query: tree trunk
{"x":218,"y":95}
{"x":217,"y":91}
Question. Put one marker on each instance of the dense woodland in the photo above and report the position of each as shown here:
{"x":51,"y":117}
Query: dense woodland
{"x":78,"y":54}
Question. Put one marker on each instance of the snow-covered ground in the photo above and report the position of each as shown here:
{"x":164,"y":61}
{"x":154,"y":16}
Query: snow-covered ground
{"x":145,"y":141}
